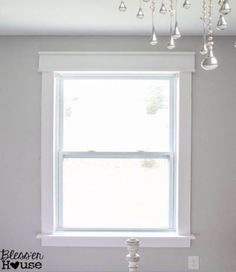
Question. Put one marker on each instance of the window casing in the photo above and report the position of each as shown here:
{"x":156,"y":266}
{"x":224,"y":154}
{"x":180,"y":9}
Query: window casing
{"x":119,"y":62}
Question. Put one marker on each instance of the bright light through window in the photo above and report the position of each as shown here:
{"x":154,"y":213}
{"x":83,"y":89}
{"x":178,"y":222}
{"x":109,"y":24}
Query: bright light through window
{"x":116,"y":147}
{"x":116,"y":193}
{"x":116,"y":115}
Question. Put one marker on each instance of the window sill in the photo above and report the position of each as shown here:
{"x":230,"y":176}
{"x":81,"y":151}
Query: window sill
{"x":115,"y":239}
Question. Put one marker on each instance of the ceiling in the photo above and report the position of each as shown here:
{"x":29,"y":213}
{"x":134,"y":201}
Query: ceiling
{"x":96,"y":17}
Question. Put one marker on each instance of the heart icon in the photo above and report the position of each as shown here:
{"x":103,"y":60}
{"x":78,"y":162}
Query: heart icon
{"x":14,"y":265}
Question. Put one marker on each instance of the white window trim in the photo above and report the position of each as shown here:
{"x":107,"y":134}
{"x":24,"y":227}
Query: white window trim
{"x":178,"y":62}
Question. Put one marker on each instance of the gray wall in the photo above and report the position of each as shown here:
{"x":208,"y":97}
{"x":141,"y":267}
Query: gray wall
{"x":213,"y":158}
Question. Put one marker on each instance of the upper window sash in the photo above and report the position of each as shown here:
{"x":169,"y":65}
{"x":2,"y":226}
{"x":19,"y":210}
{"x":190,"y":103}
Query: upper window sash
{"x":169,"y":79}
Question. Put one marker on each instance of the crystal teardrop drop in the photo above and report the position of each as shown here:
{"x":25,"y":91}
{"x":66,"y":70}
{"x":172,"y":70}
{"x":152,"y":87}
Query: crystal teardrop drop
{"x":225,"y":8}
{"x":122,"y":6}
{"x":154,"y":40}
{"x":222,"y":24}
{"x":176,"y":34}
{"x":140,"y":14}
{"x":186,"y":4}
{"x":171,"y":44}
{"x":163,"y":9}
{"x":203,"y":51}
{"x":210,"y":62}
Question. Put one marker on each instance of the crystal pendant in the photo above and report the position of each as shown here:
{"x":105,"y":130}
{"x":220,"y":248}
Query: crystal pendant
{"x":171,"y":44}
{"x":220,"y":2}
{"x":222,"y":24}
{"x":203,"y":51}
{"x":154,"y":40}
{"x":163,"y":9}
{"x":140,"y":14}
{"x":186,"y":4}
{"x":176,"y":34}
{"x":225,"y":8}
{"x":210,"y":62}
{"x":235,"y":44}
{"x":122,"y":7}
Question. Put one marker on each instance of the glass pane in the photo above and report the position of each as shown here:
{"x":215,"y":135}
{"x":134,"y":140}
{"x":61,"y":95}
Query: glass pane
{"x":116,"y":115}
{"x":116,"y":193}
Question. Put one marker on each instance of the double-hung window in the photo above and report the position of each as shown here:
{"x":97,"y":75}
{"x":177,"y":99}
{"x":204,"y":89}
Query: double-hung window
{"x":115,"y":154}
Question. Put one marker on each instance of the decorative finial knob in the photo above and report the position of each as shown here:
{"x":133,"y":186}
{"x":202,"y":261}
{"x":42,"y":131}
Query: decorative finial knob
{"x":132,"y":257}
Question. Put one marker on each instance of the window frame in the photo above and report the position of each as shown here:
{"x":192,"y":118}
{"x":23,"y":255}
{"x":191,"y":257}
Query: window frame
{"x":182,"y":63}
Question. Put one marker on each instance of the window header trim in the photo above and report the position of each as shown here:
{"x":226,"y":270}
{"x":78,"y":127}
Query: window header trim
{"x":117,"y":61}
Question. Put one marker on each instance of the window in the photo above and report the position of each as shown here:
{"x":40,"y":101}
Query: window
{"x":115,"y":149}
{"x":116,"y":152}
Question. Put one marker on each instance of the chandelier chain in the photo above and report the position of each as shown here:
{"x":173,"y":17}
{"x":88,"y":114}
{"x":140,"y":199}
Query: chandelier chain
{"x":210,"y":28}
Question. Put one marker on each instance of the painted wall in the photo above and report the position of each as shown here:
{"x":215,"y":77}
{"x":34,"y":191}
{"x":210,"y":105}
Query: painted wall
{"x":213,"y":158}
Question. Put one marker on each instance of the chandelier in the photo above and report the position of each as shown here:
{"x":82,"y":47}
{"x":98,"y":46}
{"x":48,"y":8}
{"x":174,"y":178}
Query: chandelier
{"x":209,"y":61}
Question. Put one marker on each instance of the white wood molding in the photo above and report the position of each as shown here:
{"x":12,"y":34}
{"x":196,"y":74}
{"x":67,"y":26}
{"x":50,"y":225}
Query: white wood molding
{"x":117,"y":61}
{"x":115,"y":239}
{"x":184,"y":108}
{"x":47,"y":153}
